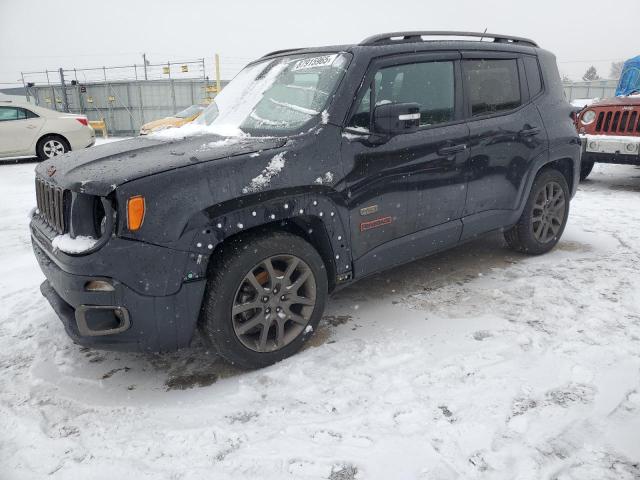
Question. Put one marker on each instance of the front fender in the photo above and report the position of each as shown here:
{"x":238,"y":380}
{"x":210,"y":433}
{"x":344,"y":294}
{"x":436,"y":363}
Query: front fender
{"x":218,"y":223}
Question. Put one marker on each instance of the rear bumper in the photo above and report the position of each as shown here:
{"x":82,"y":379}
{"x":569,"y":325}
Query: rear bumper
{"x":123,"y":319}
{"x":81,"y":138}
{"x":611,"y":149}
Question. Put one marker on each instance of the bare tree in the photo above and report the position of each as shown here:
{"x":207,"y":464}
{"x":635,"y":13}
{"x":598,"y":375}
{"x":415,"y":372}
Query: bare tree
{"x":616,"y":70}
{"x":591,"y":74}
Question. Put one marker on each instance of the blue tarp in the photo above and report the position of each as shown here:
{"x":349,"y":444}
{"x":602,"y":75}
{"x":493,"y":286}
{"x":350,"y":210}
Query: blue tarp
{"x":630,"y":78}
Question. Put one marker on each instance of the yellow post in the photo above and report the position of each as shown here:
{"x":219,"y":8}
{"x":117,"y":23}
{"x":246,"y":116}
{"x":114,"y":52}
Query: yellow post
{"x":217,"y":73}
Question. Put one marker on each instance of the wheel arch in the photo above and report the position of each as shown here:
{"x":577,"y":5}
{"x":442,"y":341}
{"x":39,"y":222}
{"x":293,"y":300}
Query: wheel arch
{"x":564,"y":166}
{"x":309,"y":228}
{"x":51,"y":134}
{"x":312,"y":216}
{"x":565,"y":163}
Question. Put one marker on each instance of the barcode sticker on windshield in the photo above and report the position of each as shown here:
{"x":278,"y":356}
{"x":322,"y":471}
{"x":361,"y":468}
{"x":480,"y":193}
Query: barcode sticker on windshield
{"x":322,"y":61}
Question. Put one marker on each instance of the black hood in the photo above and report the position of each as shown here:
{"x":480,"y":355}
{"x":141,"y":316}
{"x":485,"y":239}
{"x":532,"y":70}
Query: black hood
{"x":99,"y":170}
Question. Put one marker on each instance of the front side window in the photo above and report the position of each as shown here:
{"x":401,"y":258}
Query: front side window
{"x":493,"y":85}
{"x":11,"y":113}
{"x":429,"y":84}
{"x":277,"y":96}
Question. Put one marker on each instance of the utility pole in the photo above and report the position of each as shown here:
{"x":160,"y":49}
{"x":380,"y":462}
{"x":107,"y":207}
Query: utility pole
{"x":65,"y":99}
{"x":144,"y":62}
{"x":217,"y":61}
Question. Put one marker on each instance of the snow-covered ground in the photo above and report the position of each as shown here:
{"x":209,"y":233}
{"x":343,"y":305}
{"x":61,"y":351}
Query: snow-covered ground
{"x":476,"y":363}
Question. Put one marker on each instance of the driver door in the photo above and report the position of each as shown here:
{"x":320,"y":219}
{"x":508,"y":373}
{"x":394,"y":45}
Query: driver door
{"x":406,"y":192}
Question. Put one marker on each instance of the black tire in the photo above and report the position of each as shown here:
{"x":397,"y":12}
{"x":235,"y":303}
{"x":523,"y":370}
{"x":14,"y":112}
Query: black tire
{"x":228,"y":281}
{"x":585,"y":169}
{"x":529,"y":235}
{"x":44,"y":147}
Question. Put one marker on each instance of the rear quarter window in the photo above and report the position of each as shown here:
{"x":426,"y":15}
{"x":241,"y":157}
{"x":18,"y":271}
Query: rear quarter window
{"x":534,"y":78}
{"x":493,"y":85}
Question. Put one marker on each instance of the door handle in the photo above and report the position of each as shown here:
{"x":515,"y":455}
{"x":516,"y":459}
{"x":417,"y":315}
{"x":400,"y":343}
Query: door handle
{"x":451,"y":150}
{"x":529,"y":132}
{"x":31,"y":127}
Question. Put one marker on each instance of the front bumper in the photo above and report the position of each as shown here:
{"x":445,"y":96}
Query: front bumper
{"x":124,"y":318}
{"x":611,"y":149}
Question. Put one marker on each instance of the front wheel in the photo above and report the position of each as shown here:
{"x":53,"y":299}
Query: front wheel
{"x":544,"y":216}
{"x":265,"y":297}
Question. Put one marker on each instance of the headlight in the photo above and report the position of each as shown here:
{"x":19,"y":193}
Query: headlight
{"x":588,"y":117}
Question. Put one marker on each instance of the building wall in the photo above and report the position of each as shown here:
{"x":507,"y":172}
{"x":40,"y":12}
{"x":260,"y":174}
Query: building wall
{"x":594,"y":89}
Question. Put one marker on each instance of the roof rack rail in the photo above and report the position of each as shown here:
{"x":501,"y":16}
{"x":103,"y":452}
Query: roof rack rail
{"x":277,"y":52}
{"x":416,"y":36}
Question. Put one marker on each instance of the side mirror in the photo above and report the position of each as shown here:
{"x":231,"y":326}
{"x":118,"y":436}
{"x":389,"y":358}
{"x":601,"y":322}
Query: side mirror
{"x":396,"y":118}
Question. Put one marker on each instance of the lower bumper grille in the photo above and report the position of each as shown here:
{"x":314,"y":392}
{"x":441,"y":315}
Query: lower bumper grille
{"x":53,"y":205}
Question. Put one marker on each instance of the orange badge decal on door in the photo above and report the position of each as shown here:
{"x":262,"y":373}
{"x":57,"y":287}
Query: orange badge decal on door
{"x":378,"y":222}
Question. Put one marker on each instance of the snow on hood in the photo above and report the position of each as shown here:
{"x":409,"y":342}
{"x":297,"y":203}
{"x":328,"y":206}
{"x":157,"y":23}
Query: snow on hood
{"x":195,"y":129}
{"x":583,"y":102}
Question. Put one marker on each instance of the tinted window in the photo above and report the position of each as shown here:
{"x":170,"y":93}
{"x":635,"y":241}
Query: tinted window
{"x":429,"y":84}
{"x":492,"y":85}
{"x":12,"y":113}
{"x":533,"y":75}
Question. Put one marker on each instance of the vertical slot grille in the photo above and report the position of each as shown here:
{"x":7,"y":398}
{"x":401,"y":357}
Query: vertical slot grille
{"x":51,"y":201}
{"x":610,"y":121}
{"x":632,"y":121}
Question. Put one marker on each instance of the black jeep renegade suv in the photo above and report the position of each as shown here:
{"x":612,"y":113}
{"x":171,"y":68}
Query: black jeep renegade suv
{"x":313,"y":168}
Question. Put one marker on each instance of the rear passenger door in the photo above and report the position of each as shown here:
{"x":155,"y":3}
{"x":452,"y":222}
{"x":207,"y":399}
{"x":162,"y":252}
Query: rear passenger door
{"x":18,"y":129}
{"x":506,"y":134}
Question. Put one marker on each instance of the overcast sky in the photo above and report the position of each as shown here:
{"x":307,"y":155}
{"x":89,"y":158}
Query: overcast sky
{"x":39,"y":34}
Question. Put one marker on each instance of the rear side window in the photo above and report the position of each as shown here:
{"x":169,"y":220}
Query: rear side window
{"x":29,"y":113}
{"x":533,"y":75}
{"x":429,"y":84}
{"x":493,"y":85}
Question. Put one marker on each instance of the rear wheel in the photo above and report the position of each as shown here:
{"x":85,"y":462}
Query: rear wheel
{"x":544,"y":216}
{"x":51,"y":146}
{"x":265,"y":297}
{"x":585,"y":169}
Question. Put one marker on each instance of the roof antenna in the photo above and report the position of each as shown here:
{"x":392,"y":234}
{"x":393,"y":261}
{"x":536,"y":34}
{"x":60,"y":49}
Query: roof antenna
{"x":485,"y":31}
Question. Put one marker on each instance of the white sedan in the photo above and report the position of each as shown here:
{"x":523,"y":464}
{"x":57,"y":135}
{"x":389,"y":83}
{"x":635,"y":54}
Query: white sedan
{"x":28,"y":130}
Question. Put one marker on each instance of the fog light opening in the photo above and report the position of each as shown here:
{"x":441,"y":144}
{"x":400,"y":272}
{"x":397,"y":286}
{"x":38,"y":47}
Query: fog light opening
{"x":98,"y":286}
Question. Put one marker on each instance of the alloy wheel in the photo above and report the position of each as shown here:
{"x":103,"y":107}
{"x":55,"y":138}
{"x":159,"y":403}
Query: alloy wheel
{"x":274,"y":303}
{"x":53,"y":148}
{"x":548,"y":212}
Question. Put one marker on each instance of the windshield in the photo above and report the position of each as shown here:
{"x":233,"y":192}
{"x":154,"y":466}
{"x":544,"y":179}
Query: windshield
{"x":190,"y":111}
{"x":276,"y":96}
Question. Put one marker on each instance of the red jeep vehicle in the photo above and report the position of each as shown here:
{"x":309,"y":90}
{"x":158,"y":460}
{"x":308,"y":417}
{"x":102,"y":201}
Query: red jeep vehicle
{"x":610,"y":128}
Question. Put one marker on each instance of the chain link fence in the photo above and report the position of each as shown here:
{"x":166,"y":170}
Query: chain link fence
{"x":124,"y":97}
